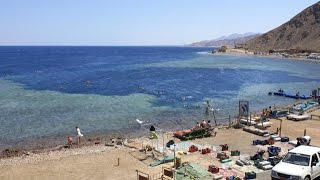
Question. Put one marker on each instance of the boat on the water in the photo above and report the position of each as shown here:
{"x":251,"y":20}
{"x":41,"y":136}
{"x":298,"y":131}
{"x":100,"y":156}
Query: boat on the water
{"x":295,"y":96}
{"x":278,"y":93}
{"x":305,"y":106}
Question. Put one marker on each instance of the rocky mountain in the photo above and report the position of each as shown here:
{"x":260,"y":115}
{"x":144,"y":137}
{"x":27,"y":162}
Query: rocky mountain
{"x":230,"y":40}
{"x":301,"y":32}
{"x":234,"y":36}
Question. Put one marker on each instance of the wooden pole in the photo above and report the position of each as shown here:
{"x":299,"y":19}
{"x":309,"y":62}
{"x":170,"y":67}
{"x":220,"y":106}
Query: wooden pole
{"x":162,"y":142}
{"x":305,"y":132}
{"x":229,"y":120}
{"x":174,"y":152}
{"x":158,"y":144}
{"x":142,"y":143}
{"x":280,"y":127}
{"x":118,"y":161}
{"x":214,"y":118}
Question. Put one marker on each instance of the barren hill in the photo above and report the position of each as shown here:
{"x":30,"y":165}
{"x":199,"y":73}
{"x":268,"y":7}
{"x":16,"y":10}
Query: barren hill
{"x":301,"y":32}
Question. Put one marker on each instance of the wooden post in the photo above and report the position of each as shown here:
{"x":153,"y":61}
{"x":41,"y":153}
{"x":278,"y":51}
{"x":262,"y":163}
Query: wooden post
{"x":162,"y":142}
{"x":118,"y":161}
{"x":158,"y":144}
{"x":250,"y":117}
{"x":214,"y":118}
{"x":229,"y":120}
{"x":305,"y":132}
{"x":137,"y":174}
{"x":174,"y":152}
{"x":142,"y":143}
{"x":280,"y":127}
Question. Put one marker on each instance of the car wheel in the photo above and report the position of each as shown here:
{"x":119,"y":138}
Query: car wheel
{"x":307,"y":178}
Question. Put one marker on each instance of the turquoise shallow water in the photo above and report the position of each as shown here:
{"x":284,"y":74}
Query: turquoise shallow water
{"x":47,"y":91}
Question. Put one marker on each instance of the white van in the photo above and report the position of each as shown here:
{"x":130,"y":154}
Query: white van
{"x":301,"y":163}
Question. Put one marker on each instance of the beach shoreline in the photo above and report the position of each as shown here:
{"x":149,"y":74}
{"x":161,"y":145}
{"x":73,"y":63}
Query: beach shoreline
{"x":59,"y":142}
{"x":242,"y":52}
{"x":99,"y":161}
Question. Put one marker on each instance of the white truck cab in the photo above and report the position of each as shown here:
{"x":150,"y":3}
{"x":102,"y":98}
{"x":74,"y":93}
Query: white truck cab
{"x":301,"y":163}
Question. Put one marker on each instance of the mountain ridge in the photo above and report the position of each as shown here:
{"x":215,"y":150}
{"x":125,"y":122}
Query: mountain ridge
{"x":230,"y":40}
{"x":302,"y":32}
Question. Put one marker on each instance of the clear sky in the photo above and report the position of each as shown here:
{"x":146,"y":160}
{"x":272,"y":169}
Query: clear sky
{"x":137,"y":22}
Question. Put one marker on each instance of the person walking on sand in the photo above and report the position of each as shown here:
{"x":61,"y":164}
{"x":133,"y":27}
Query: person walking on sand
{"x":79,"y":135}
{"x":70,"y":141}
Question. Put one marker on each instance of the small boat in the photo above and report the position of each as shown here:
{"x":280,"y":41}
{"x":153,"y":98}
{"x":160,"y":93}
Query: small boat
{"x":292,"y":96}
{"x":305,"y":97}
{"x":278,"y":93}
{"x":296,"y":96}
{"x":305,"y":106}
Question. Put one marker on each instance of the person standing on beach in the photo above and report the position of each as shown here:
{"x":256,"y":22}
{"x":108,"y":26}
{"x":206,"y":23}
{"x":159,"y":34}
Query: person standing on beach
{"x":79,"y":135}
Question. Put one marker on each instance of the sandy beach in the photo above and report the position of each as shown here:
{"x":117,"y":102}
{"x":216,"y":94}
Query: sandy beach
{"x":101,"y":161}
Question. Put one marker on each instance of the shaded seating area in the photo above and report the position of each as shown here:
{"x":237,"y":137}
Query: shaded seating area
{"x":189,"y":171}
{"x":193,"y":134}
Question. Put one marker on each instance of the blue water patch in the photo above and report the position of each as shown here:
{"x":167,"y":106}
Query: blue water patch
{"x":49,"y":90}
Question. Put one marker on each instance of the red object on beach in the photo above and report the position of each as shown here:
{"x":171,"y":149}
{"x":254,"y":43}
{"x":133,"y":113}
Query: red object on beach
{"x":213,"y":169}
{"x":193,"y":148}
{"x":203,"y":151}
{"x":206,"y":150}
{"x":224,"y":147}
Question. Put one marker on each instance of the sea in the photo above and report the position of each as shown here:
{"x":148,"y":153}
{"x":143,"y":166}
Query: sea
{"x":45,"y":92}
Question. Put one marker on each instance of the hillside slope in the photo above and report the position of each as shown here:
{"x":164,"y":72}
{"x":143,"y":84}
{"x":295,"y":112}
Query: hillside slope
{"x":301,"y":32}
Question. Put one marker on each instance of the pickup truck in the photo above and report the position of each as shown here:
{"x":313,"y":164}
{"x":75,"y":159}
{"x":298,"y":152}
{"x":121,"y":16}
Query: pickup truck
{"x":301,"y":163}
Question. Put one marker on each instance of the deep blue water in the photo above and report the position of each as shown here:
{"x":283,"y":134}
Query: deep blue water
{"x":49,"y":90}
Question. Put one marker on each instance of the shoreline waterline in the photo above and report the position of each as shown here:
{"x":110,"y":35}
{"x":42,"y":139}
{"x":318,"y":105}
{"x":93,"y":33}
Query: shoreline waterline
{"x":103,"y":90}
{"x":59,"y":142}
{"x":240,"y":52}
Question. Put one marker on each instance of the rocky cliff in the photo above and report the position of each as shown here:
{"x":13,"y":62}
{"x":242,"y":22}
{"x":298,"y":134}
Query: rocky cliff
{"x":301,"y":32}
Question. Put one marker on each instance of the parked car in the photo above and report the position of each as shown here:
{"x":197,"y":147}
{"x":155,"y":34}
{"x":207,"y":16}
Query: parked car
{"x":277,"y":113}
{"x":301,"y":163}
{"x":299,"y":117}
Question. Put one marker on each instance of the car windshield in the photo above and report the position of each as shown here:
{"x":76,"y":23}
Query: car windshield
{"x":298,"y":159}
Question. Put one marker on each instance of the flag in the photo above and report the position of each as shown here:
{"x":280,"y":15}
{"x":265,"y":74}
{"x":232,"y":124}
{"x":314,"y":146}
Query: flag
{"x":154,"y":135}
